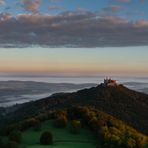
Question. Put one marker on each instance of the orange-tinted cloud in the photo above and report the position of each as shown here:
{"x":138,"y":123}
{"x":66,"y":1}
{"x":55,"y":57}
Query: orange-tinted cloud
{"x":2,"y":2}
{"x":31,"y":5}
{"x":71,"y":29}
{"x":141,"y":23}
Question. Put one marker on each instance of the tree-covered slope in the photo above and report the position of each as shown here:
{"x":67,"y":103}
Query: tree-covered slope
{"x":82,"y":126}
{"x":121,"y":102}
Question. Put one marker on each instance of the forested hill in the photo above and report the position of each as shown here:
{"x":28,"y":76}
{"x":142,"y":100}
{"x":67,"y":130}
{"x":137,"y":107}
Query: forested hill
{"x":119,"y":101}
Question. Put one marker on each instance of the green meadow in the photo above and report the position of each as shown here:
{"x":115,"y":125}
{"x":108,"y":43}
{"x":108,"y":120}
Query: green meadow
{"x":63,"y":138}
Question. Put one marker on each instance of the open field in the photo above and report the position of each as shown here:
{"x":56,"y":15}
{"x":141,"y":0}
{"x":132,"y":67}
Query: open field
{"x":62,"y":137}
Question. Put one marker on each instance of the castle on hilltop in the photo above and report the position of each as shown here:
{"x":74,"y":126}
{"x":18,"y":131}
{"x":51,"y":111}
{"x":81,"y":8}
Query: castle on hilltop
{"x":110,"y":82}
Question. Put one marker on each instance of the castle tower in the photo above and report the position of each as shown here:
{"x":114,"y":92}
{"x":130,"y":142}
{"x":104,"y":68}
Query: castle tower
{"x":109,"y":82}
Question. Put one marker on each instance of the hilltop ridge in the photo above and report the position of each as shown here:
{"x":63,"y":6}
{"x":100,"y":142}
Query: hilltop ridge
{"x":119,"y":101}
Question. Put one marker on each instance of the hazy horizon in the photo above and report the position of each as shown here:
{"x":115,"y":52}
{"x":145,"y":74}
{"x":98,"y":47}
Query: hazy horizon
{"x":116,"y":61}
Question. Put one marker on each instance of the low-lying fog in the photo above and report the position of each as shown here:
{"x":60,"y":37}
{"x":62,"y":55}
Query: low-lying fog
{"x":23,"y":89}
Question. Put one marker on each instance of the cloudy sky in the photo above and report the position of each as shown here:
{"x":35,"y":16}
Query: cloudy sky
{"x":86,"y":37}
{"x":73,"y":23}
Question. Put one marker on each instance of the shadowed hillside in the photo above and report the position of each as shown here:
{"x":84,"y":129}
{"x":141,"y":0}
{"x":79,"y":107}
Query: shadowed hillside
{"x":119,"y":101}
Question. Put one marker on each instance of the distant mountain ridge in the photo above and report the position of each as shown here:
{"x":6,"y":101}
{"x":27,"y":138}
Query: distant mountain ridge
{"x":119,"y":101}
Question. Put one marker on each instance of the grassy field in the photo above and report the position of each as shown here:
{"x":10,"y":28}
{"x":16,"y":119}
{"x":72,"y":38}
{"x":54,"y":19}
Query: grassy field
{"x":62,"y":137}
